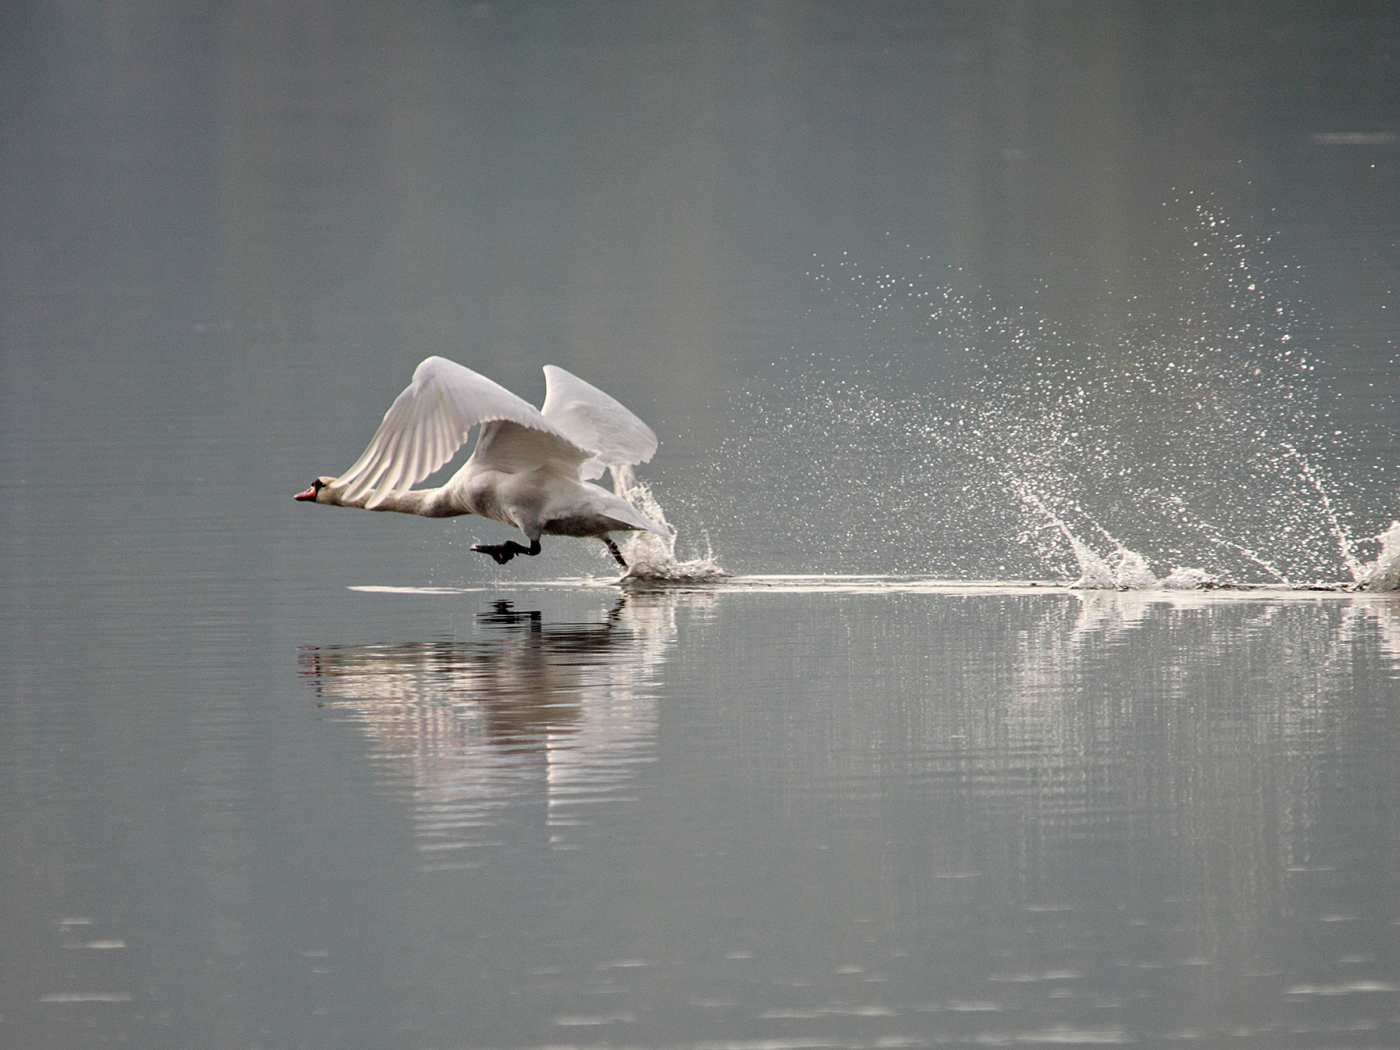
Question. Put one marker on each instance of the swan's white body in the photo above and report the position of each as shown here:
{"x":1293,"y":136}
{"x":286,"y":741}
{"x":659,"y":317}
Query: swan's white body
{"x":531,"y":468}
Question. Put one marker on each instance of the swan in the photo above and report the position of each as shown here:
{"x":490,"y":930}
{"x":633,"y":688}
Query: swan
{"x":532,"y":468}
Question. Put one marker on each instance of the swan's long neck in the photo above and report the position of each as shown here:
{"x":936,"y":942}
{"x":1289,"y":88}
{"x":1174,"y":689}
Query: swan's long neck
{"x":427,"y":502}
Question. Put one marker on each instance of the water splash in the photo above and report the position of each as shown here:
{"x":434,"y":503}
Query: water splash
{"x":1383,"y":574}
{"x":1339,"y":531}
{"x":1188,"y":448}
{"x":1213,"y":534}
{"x":652,"y":558}
{"x":1130,"y":572}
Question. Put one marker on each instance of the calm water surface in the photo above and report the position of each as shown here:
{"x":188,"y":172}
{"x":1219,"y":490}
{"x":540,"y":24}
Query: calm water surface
{"x":286,"y":776}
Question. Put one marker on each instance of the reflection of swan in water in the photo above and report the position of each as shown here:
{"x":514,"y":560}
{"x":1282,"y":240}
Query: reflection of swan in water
{"x":532,"y":712}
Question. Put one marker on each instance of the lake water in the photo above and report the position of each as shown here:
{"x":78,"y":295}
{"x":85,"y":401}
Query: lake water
{"x":1025,"y":366}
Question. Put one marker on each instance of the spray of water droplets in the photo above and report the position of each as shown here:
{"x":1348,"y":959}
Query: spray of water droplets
{"x":1188,"y":449}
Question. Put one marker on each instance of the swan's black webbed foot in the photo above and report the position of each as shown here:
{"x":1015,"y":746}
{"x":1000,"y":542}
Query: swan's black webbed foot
{"x":617,"y":554}
{"x":504,"y":552}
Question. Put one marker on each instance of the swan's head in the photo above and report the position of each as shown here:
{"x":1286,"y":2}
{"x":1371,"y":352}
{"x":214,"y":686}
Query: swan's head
{"x":313,"y":494}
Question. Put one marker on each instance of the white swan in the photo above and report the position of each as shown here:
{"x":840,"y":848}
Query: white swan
{"x":531,"y":468}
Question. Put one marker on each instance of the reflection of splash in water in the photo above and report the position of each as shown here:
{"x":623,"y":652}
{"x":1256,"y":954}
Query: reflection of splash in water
{"x":1192,"y":450}
{"x":1228,"y":788}
{"x":652,"y":558}
{"x":1204,"y":769}
{"x":1147,"y":772}
{"x":559,"y":713}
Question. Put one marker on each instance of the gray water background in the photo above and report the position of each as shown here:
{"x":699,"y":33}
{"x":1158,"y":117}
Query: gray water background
{"x":244,"y":805}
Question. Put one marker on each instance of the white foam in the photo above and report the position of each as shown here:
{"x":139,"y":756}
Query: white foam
{"x":1188,"y":579}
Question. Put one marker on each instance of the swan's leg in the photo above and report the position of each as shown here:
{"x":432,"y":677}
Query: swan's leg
{"x":504,"y":552}
{"x":612,"y":549}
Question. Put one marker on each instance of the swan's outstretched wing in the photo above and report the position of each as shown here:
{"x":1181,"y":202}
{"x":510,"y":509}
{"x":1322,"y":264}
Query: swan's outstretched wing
{"x":596,"y":421}
{"x":430,"y":420}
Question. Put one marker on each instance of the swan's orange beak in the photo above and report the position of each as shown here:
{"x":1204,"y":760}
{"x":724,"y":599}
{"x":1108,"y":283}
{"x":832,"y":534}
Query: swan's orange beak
{"x":309,"y":494}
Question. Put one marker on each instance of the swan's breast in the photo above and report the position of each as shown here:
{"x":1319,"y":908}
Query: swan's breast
{"x":481,"y":494}
{"x":517,"y":499}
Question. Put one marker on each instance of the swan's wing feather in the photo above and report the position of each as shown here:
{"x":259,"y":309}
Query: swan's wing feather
{"x":429,"y":422}
{"x":513,"y":448}
{"x":596,"y":421}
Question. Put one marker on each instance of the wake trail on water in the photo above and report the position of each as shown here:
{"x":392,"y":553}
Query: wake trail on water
{"x":1188,"y":448}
